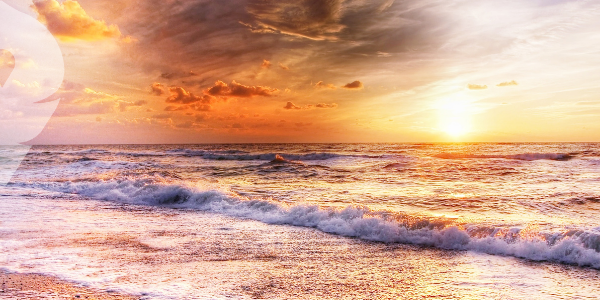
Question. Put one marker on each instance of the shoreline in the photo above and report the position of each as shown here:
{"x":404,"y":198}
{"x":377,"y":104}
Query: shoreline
{"x":38,"y":286}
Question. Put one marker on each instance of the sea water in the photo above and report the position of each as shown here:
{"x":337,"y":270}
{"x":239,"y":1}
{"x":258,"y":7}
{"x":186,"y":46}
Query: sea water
{"x":309,"y":221}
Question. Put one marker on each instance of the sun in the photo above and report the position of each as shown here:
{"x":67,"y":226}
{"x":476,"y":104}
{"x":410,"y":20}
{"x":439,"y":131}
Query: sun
{"x":455,"y":117}
{"x":455,"y":128}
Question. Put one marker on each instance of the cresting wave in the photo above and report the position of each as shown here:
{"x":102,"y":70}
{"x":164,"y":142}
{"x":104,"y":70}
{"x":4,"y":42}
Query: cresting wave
{"x":241,"y":155}
{"x":572,"y":247}
{"x":522,"y":156}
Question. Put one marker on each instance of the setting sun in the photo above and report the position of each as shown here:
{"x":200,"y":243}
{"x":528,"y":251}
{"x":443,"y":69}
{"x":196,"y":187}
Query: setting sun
{"x":454,"y":117}
{"x":455,"y":127}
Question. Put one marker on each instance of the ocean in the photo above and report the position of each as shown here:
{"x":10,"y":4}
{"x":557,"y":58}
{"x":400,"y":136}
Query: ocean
{"x":309,"y":221}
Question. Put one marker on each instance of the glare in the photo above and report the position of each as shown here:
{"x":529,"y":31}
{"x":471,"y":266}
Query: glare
{"x":455,"y":116}
{"x":456,"y":128}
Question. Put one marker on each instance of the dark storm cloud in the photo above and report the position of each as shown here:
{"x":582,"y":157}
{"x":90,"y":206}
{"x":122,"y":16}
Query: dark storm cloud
{"x":326,"y":39}
{"x":206,"y":36}
{"x":313,"y":19}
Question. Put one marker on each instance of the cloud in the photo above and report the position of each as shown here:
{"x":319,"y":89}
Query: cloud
{"x":266,"y":64}
{"x":508,"y":83}
{"x":356,"y":85}
{"x":176,"y":108}
{"x":124,"y":105}
{"x":321,"y":84}
{"x":291,"y":105}
{"x":312,"y":19}
{"x":324,"y":105}
{"x":182,"y":96}
{"x":283,"y":67}
{"x":68,"y":21}
{"x":77,"y":99}
{"x":299,"y":32}
{"x":477,"y":87}
{"x":157,"y":89}
{"x":220,"y":90}
{"x":7,"y":64}
{"x":178,"y":75}
{"x":201,"y":107}
{"x":95,"y":108}
{"x":76,"y":93}
{"x":161,"y":116}
{"x":239,"y":90}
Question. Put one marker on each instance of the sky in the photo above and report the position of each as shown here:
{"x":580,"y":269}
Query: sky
{"x":208,"y":71}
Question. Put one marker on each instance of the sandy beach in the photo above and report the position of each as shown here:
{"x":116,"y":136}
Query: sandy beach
{"x":35,"y":286}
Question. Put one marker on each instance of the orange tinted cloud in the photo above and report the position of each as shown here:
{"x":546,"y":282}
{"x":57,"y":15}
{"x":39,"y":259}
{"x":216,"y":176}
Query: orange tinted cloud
{"x":176,"y":108}
{"x":124,"y":105}
{"x":239,"y":90}
{"x":68,"y":21}
{"x":356,"y":85}
{"x":321,"y":84}
{"x":182,"y":96}
{"x":266,"y":64}
{"x":157,"y":89}
{"x":325,"y":105}
{"x":291,"y":105}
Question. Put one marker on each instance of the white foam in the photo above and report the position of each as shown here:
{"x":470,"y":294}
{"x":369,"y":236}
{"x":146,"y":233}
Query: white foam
{"x":577,"y":248}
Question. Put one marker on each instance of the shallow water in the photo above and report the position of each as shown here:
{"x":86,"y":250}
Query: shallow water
{"x":471,"y":221}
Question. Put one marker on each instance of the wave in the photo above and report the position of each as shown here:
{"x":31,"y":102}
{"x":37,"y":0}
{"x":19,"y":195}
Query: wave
{"x":575,"y":247}
{"x":241,"y":155}
{"x":522,"y":156}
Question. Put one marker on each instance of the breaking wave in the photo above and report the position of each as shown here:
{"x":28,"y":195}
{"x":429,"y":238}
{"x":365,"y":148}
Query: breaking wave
{"x":240,"y":155}
{"x":575,"y":247}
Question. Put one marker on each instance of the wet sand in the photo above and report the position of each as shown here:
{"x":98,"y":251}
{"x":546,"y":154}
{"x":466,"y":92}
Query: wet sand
{"x":35,"y":286}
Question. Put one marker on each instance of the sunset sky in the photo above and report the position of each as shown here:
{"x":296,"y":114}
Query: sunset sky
{"x":204,"y":71}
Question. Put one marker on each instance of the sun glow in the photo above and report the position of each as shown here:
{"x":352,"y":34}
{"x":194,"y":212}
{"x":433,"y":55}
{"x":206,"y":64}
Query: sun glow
{"x":454,"y":117}
{"x":456,"y":128}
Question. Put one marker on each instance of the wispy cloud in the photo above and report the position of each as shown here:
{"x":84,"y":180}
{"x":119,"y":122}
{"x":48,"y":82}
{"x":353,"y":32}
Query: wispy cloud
{"x":507,"y":83}
{"x":477,"y":87}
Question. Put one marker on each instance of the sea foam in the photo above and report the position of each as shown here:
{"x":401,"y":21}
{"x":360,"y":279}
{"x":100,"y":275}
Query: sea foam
{"x":571,"y":247}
